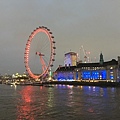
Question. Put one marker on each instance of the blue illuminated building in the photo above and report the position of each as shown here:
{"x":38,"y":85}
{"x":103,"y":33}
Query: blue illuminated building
{"x":94,"y":74}
{"x":105,"y":71}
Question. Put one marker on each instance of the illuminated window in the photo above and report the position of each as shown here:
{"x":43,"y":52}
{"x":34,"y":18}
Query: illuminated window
{"x":111,"y":67}
{"x":94,"y":74}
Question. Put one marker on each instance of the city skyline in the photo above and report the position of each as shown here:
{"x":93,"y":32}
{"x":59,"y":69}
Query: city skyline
{"x":93,"y":24}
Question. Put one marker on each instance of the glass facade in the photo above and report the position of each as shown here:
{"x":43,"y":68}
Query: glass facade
{"x":94,"y":75}
{"x":62,"y":76}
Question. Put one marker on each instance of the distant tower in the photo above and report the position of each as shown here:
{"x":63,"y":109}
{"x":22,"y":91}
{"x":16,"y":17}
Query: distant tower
{"x":118,"y":68}
{"x":101,"y":59}
{"x":118,"y":61}
{"x":70,"y":59}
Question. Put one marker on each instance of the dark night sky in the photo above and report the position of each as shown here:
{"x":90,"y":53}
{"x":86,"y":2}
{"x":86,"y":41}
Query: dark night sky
{"x":95,"y":24}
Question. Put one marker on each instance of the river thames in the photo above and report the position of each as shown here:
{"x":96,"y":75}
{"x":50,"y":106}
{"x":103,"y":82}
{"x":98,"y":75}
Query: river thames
{"x":59,"y":102}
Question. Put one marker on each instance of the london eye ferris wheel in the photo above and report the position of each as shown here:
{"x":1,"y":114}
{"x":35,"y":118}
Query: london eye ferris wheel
{"x":39,"y":52}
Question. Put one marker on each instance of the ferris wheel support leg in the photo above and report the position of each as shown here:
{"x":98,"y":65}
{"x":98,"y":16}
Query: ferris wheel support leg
{"x":43,"y":63}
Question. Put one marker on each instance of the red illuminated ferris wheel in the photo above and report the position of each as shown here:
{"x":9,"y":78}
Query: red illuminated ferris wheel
{"x":39,"y":52}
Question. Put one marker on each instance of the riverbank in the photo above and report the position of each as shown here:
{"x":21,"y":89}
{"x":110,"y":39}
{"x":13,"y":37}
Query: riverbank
{"x":83,"y":83}
{"x":74,"y":83}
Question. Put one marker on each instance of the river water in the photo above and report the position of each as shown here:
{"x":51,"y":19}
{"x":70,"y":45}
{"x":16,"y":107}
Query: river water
{"x":59,"y":103}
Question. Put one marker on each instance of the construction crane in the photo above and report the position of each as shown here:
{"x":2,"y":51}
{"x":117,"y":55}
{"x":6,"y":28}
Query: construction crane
{"x":86,"y":54}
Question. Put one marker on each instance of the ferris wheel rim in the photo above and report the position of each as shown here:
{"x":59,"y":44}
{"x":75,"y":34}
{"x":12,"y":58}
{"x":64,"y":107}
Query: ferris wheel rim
{"x":52,"y":51}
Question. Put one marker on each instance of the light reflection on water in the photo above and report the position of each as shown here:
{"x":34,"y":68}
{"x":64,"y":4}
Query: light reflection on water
{"x":24,"y":107}
{"x":59,"y":102}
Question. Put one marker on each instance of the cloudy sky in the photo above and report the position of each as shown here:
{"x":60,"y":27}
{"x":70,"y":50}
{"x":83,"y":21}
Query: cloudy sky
{"x":93,"y":24}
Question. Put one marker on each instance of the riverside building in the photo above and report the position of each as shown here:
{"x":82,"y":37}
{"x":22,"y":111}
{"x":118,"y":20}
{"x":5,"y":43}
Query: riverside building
{"x":92,"y":72}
